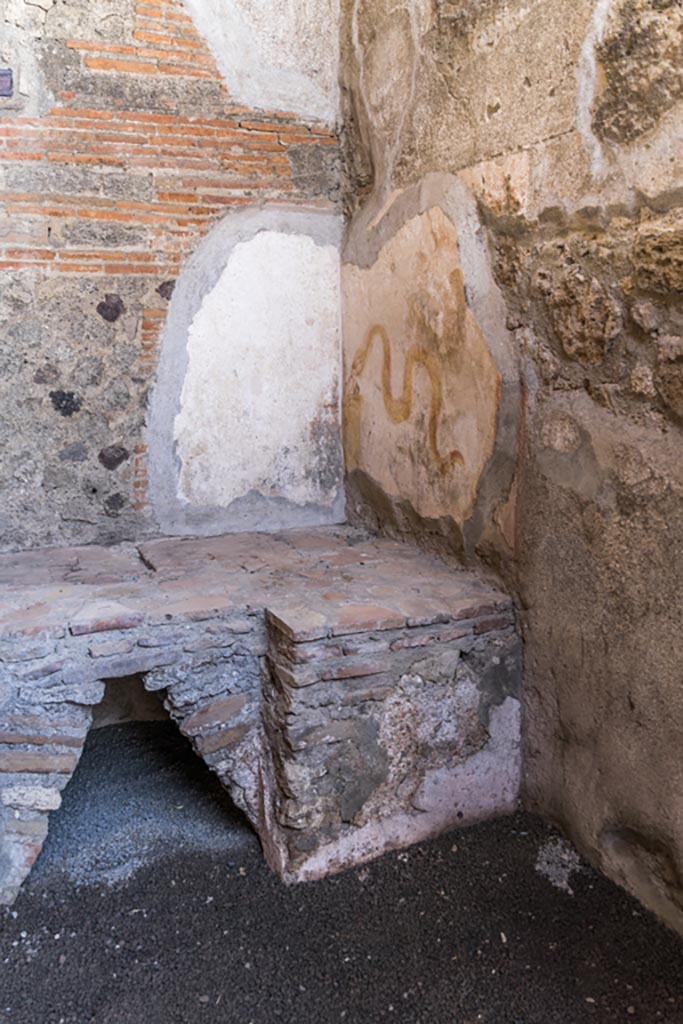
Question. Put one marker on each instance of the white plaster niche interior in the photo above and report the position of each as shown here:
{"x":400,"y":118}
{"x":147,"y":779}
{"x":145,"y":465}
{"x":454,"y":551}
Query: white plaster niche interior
{"x":244,"y":429}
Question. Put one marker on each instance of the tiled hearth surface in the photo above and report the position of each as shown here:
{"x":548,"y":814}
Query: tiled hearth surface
{"x":351,"y":692}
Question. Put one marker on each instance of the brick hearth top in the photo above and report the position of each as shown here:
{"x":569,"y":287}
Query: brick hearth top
{"x":313,"y":583}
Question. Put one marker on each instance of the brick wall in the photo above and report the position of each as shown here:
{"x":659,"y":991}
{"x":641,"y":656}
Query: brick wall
{"x":139,"y":151}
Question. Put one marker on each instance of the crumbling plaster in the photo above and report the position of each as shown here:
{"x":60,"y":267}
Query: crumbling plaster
{"x":563,"y":121}
{"x":244,"y":425}
{"x":423,"y":314}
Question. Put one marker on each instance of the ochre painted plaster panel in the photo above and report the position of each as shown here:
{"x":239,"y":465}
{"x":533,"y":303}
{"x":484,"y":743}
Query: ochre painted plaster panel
{"x":421,"y":387}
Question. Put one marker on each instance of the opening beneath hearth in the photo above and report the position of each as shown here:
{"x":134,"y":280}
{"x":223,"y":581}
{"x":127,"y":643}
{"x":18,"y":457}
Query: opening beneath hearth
{"x":139,"y":794}
{"x":127,"y":700}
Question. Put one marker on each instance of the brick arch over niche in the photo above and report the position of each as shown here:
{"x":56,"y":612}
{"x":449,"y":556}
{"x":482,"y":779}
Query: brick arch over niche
{"x":216,"y":706}
{"x":122,"y":146}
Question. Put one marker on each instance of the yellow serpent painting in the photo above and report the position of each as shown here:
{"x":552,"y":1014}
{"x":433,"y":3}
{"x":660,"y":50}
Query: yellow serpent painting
{"x":398,"y":409}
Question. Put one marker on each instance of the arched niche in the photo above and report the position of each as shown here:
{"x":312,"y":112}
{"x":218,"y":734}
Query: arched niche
{"x":244,"y":430}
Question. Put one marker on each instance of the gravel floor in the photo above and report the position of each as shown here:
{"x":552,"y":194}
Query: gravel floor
{"x":151,"y":905}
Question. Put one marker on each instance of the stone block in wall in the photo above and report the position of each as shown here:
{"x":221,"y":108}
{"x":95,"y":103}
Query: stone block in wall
{"x":18,"y":853}
{"x":215,"y":700}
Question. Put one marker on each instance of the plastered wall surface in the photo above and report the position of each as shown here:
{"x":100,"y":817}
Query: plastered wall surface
{"x":124,"y":144}
{"x":264,"y":414}
{"x":275,"y":54}
{"x":244,"y":427}
{"x":431,"y":383}
{"x":427,"y":354}
{"x":563,"y":121}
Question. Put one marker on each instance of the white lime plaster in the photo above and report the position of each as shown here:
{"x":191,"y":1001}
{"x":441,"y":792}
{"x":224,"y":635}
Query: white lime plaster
{"x":262,"y":379}
{"x":275,"y":54}
{"x":244,"y":430}
{"x":586,"y":81}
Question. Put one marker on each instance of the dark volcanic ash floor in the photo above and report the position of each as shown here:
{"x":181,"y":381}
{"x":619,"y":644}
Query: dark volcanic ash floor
{"x":151,"y":905}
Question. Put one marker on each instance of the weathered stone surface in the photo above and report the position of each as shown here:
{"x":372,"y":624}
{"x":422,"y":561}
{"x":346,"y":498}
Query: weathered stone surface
{"x":641,"y":59}
{"x":41,"y":670}
{"x":38,"y":740}
{"x":598,"y":306}
{"x":563,"y":120}
{"x":37,"y":798}
{"x":27,"y":761}
{"x":109,"y":648}
{"x":58,"y":694}
{"x":215,"y":714}
{"x":227,"y":737}
{"x":669,"y":385}
{"x":113,"y":456}
{"x":103,"y":619}
{"x":584,"y":316}
{"x":117,"y":665}
{"x":658,"y":253}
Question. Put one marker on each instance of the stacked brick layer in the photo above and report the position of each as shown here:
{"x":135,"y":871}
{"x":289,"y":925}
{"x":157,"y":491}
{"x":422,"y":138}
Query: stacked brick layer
{"x":352,"y":694}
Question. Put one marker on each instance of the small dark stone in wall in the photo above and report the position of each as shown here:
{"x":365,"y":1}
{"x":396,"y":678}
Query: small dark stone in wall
{"x":76,"y":452}
{"x":316,"y":170}
{"x":114,"y":504}
{"x":165,"y":289}
{"x":113,"y":456}
{"x":111,"y":308}
{"x":45,"y":375}
{"x":66,"y":402}
{"x":6,"y":82}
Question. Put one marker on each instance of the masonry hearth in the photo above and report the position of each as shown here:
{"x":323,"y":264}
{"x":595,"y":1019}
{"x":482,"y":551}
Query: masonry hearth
{"x":352,"y":694}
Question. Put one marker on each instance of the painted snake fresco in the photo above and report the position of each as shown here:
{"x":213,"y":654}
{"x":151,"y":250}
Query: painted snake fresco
{"x":399,"y":409}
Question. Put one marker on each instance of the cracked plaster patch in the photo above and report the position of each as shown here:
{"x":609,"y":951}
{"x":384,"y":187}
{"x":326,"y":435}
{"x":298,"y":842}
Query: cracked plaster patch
{"x":275,"y":54}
